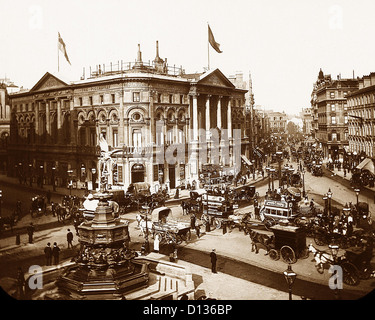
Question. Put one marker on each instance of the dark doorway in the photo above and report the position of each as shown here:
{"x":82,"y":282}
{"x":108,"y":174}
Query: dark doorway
{"x":138,"y":173}
{"x":172,"y":176}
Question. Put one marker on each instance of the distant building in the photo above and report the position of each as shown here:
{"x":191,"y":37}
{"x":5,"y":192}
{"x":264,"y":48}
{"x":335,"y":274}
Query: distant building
{"x":277,"y":121}
{"x":6,"y":87}
{"x":307,"y":120}
{"x":330,"y":110}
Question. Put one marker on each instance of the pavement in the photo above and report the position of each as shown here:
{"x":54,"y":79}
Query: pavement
{"x":244,"y":274}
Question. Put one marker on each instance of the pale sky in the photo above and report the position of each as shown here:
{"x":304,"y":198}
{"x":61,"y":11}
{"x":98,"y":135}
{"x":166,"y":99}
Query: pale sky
{"x":283,"y":44}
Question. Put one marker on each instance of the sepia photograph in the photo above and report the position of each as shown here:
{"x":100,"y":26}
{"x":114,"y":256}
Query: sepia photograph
{"x":211,"y":151}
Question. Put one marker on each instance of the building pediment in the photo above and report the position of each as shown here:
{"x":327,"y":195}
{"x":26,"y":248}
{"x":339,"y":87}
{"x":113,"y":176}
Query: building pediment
{"x":49,"y":81}
{"x":215,"y":78}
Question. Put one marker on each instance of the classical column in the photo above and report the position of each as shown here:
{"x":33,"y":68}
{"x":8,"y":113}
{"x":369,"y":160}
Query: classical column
{"x":37,"y":108}
{"x":195,"y":117}
{"x":208,"y":119}
{"x":48,"y":118}
{"x":121,"y":135}
{"x":219,"y":112}
{"x":229,"y":118}
{"x":59,"y":122}
{"x":73,"y":122}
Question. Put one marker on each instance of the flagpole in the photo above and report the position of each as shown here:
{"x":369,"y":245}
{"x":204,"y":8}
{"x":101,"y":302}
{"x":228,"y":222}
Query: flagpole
{"x":208,"y":49}
{"x":58,"y":58}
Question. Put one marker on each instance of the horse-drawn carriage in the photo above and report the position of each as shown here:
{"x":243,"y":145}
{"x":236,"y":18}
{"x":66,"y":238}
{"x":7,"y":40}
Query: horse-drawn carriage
{"x":287,"y":242}
{"x":317,"y":170}
{"x":296,"y":180}
{"x":244,"y":193}
{"x":138,"y":193}
{"x":216,"y":210}
{"x":274,"y":211}
{"x":194,"y":204}
{"x":355,"y":262}
{"x":162,"y":224}
{"x":38,"y":205}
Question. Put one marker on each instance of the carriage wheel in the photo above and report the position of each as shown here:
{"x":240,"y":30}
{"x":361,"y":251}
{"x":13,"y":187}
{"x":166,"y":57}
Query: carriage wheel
{"x":205,"y":219}
{"x":268,"y":223}
{"x":217,"y":223}
{"x":274,"y":254}
{"x":288,"y":255}
{"x":319,"y":239}
{"x":350,"y":274}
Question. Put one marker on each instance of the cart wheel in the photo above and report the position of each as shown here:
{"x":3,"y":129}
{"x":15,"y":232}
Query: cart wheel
{"x":217,"y":223}
{"x":319,"y":239}
{"x":288,"y":255}
{"x":350,"y":274}
{"x":268,"y":223}
{"x":205,"y":219}
{"x":274,"y":254}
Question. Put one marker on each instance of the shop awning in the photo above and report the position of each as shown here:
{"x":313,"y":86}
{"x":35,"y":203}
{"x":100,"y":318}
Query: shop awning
{"x":367,"y":164}
{"x":246,"y":160}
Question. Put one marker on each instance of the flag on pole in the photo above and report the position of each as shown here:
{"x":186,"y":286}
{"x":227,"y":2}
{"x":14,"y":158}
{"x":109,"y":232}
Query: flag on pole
{"x":61,"y":45}
{"x":212,"y":41}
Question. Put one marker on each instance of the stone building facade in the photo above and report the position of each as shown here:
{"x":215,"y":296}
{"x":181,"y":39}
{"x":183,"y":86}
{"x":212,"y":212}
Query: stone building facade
{"x":329,"y":103}
{"x":140,"y":111}
{"x":361,"y":117}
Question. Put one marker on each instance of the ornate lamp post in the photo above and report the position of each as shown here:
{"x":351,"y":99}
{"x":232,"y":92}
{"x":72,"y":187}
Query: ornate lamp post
{"x":146,"y":208}
{"x":1,"y":199}
{"x":53,"y":179}
{"x":70,"y":172}
{"x":329,"y":195}
{"x":269,"y":178}
{"x":279,"y":159}
{"x":41,"y":176}
{"x":325,"y":198}
{"x":357,"y":191}
{"x":272,"y":170}
{"x":290,"y":277}
{"x":93,"y":171}
{"x":303,"y":182}
{"x":31,"y":174}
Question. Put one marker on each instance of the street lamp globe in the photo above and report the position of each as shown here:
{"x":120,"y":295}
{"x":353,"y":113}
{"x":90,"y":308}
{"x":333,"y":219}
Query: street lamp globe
{"x":357,"y":191}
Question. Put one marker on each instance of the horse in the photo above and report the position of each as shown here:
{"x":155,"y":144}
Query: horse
{"x":321,"y":258}
{"x":61,"y":212}
{"x":260,"y":241}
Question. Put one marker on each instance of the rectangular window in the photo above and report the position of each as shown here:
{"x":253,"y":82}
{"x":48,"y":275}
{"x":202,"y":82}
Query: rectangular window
{"x":345,"y":107}
{"x":333,"y":107}
{"x":332,"y":95}
{"x":181,"y":99}
{"x":90,"y":99}
{"x":101,"y":99}
{"x":334,"y":136}
{"x":92,"y":137}
{"x":171,"y":98}
{"x":333,"y":120}
{"x":159,"y":97}
{"x":115,"y":137}
{"x":329,"y":137}
{"x":113,"y":98}
{"x":80,"y":102}
{"x":119,"y":174}
{"x":338,"y":137}
{"x":345,"y":93}
{"x":346,"y":119}
{"x":137,"y":138}
{"x":136,"y":97}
